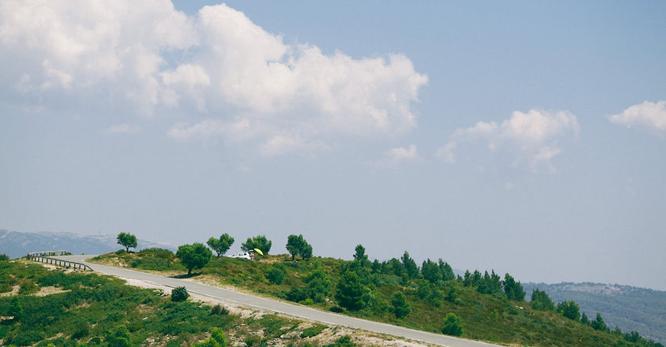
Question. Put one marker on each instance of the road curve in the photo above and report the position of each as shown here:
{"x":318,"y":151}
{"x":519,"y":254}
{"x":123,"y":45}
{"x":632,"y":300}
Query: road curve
{"x":294,"y":310}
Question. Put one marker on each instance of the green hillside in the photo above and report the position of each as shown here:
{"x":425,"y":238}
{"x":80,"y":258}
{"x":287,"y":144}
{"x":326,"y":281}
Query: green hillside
{"x":399,"y":292}
{"x":53,"y":308}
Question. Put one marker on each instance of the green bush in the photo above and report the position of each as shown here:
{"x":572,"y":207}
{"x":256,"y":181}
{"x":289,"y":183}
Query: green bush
{"x":219,"y":310}
{"x":312,"y":331}
{"x":452,"y":325}
{"x":4,"y":257}
{"x":276,"y":274}
{"x":179,"y":294}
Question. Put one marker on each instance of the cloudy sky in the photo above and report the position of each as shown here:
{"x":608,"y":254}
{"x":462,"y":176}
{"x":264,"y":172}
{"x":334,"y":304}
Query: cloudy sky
{"x":527,"y":137}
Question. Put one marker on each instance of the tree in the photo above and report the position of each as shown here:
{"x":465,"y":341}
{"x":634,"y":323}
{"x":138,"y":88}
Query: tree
{"x":513,"y":289}
{"x":430,"y":271}
{"x":127,"y":240}
{"x":399,"y":304}
{"x":194,"y":256}
{"x":410,"y":266}
{"x":359,"y":254}
{"x":351,"y":293}
{"x":489,"y":283}
{"x":4,"y":257}
{"x":259,"y":242}
{"x":221,"y":245}
{"x":541,"y":301}
{"x":569,"y":309}
{"x":318,"y":286}
{"x":598,"y":323}
{"x":297,"y":246}
{"x":584,"y":319}
{"x":452,"y":325}
{"x":446,"y":271}
{"x":179,"y":294}
{"x":118,"y":338}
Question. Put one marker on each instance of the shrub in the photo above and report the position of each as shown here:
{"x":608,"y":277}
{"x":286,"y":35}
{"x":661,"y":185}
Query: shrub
{"x":569,"y":309}
{"x":452,"y":325}
{"x":276,"y":274}
{"x":217,"y":339}
{"x":3,"y":257}
{"x":296,"y":294}
{"x":219,"y":310}
{"x":399,"y":304}
{"x":541,"y":301}
{"x":312,"y":331}
{"x":179,"y":294}
{"x":344,"y":341}
{"x":351,"y":293}
{"x":336,"y":309}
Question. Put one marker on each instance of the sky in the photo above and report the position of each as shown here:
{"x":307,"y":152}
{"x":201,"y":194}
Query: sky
{"x":525,"y":136}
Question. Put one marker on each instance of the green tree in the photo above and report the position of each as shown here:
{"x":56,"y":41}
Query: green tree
{"x":431,"y":271}
{"x":118,"y":338}
{"x":541,"y":301}
{"x":194,"y":256}
{"x":446,"y":271}
{"x":513,"y":289}
{"x":259,"y":242}
{"x":221,"y":245}
{"x":452,"y":325}
{"x":569,"y":309}
{"x":4,"y":257}
{"x":584,"y":319}
{"x":399,"y":304}
{"x":297,"y":246}
{"x":359,"y":254}
{"x":410,"y":266}
{"x":318,"y":286}
{"x":351,"y":293}
{"x":127,"y":240}
{"x":598,"y":323}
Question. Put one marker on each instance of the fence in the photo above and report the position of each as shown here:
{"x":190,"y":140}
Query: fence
{"x":44,"y":257}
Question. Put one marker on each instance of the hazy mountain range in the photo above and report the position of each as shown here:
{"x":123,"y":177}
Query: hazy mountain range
{"x":17,"y":244}
{"x":630,"y":308}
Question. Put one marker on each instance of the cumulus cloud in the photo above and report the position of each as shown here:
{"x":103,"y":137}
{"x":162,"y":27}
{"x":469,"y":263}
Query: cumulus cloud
{"x":399,"y":154}
{"x":533,"y":135}
{"x":650,"y":115}
{"x":216,"y":66}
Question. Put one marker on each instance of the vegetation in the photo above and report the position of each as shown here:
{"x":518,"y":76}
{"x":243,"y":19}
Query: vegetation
{"x":297,"y":246}
{"x":194,"y":256}
{"x":221,"y":245}
{"x":179,"y":294}
{"x":259,"y":242}
{"x":92,"y":310}
{"x":127,"y":240}
{"x":478,"y":305}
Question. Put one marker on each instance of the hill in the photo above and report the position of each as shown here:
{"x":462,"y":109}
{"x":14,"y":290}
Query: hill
{"x":17,"y":244}
{"x":397,"y":292}
{"x":43,"y":307}
{"x":627,"y":307}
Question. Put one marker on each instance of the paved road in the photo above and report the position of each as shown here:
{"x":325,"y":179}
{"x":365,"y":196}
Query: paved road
{"x":294,"y":310}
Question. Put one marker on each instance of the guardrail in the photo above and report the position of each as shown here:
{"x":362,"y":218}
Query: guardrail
{"x":48,"y":253}
{"x":37,"y":256}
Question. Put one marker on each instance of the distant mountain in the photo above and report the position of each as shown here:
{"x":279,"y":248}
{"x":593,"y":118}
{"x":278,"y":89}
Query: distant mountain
{"x":630,"y":308}
{"x":17,"y":244}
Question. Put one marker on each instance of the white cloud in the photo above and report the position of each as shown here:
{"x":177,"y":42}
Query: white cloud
{"x":123,"y":128}
{"x":400,"y":154}
{"x":533,"y":135}
{"x":650,"y":115}
{"x":227,"y":68}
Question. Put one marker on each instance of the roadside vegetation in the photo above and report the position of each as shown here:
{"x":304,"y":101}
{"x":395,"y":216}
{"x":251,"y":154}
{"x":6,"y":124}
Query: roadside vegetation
{"x":429,"y":296}
{"x":43,"y":307}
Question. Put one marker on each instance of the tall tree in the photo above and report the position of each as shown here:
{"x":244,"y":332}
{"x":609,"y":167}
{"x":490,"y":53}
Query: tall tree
{"x":221,"y":245}
{"x":127,"y":240}
{"x":297,"y":246}
{"x":194,"y":256}
{"x":569,"y":309}
{"x":598,"y":323}
{"x":431,"y":271}
{"x":359,"y":254}
{"x":541,"y":301}
{"x":410,"y":266}
{"x":318,"y":286}
{"x":351,"y":293}
{"x":259,"y":242}
{"x":513,"y":289}
{"x":446,"y":270}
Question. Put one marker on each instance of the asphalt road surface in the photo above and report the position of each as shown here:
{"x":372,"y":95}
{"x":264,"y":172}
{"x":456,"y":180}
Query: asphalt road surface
{"x":290,"y":309}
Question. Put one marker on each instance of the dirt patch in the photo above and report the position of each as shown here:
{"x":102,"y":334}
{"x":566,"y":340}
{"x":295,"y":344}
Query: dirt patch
{"x":15,"y":291}
{"x":50,"y":290}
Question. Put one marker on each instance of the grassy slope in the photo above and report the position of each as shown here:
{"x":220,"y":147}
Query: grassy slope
{"x":95,"y":306}
{"x":484,"y":317}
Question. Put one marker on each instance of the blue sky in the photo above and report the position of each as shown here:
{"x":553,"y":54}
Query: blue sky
{"x":528,"y":137}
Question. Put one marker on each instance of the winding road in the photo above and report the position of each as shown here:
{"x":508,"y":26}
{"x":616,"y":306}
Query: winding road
{"x":267,"y":304}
